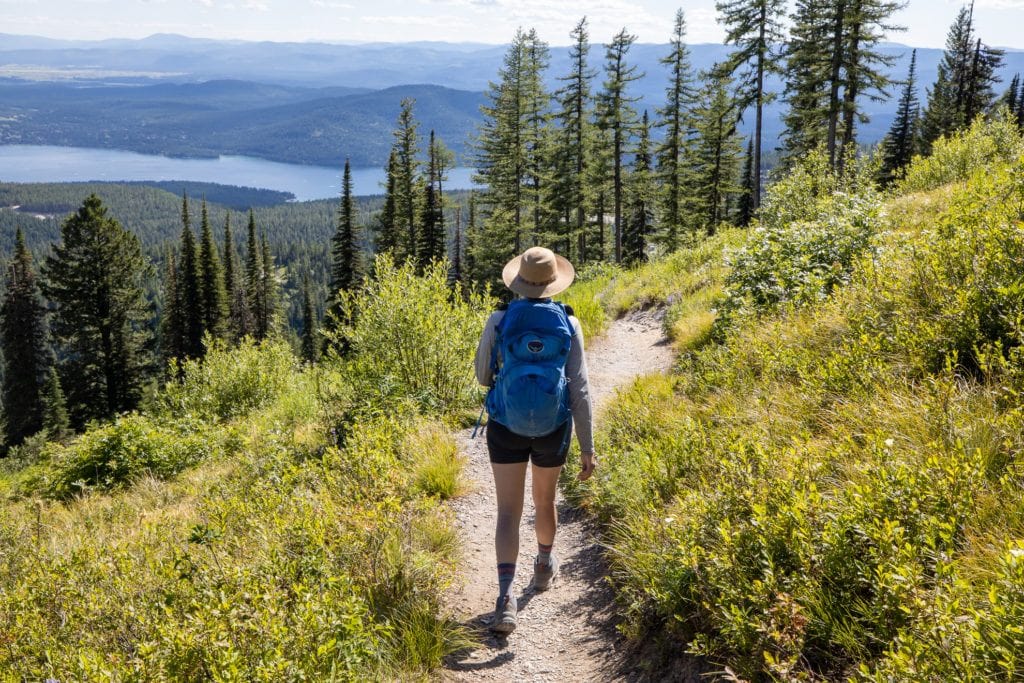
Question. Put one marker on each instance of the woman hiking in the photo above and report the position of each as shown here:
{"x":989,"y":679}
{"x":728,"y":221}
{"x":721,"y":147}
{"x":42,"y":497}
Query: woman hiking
{"x":531,"y":356}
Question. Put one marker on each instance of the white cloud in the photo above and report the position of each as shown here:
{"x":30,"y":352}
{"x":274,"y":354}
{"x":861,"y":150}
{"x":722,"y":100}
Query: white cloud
{"x":332,"y":4}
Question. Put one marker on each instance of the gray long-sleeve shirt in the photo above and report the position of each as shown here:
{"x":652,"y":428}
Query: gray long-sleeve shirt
{"x":575,"y":372}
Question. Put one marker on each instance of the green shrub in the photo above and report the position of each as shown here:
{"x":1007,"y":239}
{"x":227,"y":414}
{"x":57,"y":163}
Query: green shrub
{"x":813,"y":228}
{"x":118,"y":454}
{"x":412,"y":339}
{"x":986,"y":143}
{"x":230,"y":381}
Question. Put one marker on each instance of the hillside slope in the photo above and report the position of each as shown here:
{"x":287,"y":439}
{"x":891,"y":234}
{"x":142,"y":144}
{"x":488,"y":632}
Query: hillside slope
{"x":832,"y":488}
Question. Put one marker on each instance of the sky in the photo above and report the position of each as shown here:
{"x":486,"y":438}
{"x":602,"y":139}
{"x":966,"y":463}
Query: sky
{"x":999,"y":22}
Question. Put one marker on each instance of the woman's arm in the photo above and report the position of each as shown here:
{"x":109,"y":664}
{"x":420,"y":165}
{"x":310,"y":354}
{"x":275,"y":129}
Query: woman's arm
{"x":482,"y":363}
{"x":579,"y":391}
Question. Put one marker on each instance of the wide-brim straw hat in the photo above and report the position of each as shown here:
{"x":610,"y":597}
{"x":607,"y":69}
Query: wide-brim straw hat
{"x":538,"y":273}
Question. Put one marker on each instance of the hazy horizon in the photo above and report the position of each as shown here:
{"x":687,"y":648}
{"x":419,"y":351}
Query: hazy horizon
{"x":482,"y":22}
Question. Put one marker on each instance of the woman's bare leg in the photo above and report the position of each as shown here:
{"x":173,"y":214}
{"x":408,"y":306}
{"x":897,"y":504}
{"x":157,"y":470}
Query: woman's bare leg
{"x":545,"y":483}
{"x":510,"y":486}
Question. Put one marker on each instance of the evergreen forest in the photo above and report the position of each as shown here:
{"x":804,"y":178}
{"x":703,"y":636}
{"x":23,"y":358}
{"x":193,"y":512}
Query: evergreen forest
{"x":229,"y":419}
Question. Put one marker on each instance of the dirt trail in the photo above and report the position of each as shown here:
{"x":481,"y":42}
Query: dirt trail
{"x":566,"y":633}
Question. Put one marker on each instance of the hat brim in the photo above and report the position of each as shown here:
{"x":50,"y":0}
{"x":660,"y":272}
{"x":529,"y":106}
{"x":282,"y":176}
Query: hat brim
{"x":510,"y":275}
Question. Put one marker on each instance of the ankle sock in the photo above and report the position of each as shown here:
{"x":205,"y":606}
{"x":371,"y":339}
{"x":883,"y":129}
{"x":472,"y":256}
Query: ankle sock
{"x":544,"y":553}
{"x":506,"y":573}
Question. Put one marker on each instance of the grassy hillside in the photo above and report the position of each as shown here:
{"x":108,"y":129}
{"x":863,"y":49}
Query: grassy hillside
{"x":833,"y":488}
{"x":256,"y":521}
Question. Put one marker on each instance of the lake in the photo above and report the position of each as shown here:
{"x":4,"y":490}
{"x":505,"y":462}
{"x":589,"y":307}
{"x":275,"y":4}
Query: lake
{"x":49,"y":164}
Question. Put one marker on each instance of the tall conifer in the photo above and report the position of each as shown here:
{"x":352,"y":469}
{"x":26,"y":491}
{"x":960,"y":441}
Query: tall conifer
{"x":190,"y":295}
{"x":94,"y":279}
{"x":754,"y":27}
{"x":214,"y":296}
{"x":406,"y":148}
{"x":23,"y":341}
{"x":568,"y":194}
{"x":254,"y":285}
{"x":346,"y":264}
{"x":618,"y":117}
{"x":267,"y":324}
{"x":963,"y":86}
{"x":388,"y":238}
{"x":898,"y":145}
{"x":671,"y":170}
{"x":639,"y":219}
{"x":172,"y":319}
{"x":433,"y":232}
{"x":716,"y":153}
{"x":240,"y":322}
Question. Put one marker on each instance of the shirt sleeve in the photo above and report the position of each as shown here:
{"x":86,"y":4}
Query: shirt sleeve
{"x":482,"y":363}
{"x":579,"y":390}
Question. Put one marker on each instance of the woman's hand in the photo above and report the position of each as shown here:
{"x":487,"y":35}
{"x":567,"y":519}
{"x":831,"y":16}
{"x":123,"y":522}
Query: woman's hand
{"x":588,"y":461}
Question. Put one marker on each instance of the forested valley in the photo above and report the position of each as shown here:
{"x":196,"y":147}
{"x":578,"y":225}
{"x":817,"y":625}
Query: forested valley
{"x":228,"y":417}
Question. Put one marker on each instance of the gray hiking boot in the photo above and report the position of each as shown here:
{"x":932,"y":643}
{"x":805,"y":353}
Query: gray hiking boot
{"x":505,"y":615}
{"x":544,"y":573}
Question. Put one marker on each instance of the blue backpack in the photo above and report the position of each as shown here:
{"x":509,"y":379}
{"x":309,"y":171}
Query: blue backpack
{"x":530,"y":395}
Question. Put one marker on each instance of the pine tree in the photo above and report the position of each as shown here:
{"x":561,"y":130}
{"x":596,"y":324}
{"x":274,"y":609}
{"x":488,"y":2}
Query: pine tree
{"x":745,"y":208}
{"x":406,"y":149}
{"x":55,"y":409}
{"x":639,"y":221}
{"x":618,"y":117}
{"x":501,"y":165}
{"x":346,"y":264}
{"x":1020,"y":107}
{"x":898,"y":145}
{"x":267,"y":325}
{"x":470,"y":268}
{"x":94,"y":279}
{"x":567,"y":191}
{"x":190,"y":295}
{"x":211,"y":280}
{"x":240,"y":321}
{"x":172,"y":319}
{"x":865,"y":67}
{"x":254,"y":285}
{"x":1009,"y":98}
{"x":963,"y":87}
{"x":754,"y":27}
{"x":456,"y":274}
{"x":309,"y":342}
{"x":536,"y":135}
{"x":387,"y":238}
{"x":671,"y":171}
{"x":716,"y":152}
{"x":808,"y":63}
{"x":23,"y":341}
{"x":433,"y":233}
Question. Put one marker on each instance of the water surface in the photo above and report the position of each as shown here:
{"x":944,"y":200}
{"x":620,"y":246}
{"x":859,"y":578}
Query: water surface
{"x":51,"y":164}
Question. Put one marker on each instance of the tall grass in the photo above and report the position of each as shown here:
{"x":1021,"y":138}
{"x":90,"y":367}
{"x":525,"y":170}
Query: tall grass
{"x":833,"y":490}
{"x":258,"y":521}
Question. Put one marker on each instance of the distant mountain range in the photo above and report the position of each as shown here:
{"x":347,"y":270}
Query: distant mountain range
{"x":298,"y":102}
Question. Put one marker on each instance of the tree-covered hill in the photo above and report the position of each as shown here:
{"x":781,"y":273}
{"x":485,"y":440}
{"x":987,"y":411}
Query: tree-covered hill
{"x":297,"y":125}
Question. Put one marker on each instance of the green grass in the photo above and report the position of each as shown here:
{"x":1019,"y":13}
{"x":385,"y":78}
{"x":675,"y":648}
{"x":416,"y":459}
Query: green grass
{"x":257,"y":521}
{"x":829,"y":485}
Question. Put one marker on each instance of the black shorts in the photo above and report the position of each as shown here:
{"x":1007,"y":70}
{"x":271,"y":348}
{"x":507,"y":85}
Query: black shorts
{"x":506,"y":447}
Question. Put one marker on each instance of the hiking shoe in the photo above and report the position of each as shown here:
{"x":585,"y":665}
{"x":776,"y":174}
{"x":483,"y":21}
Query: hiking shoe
{"x":544,"y":573}
{"x":505,"y":615}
